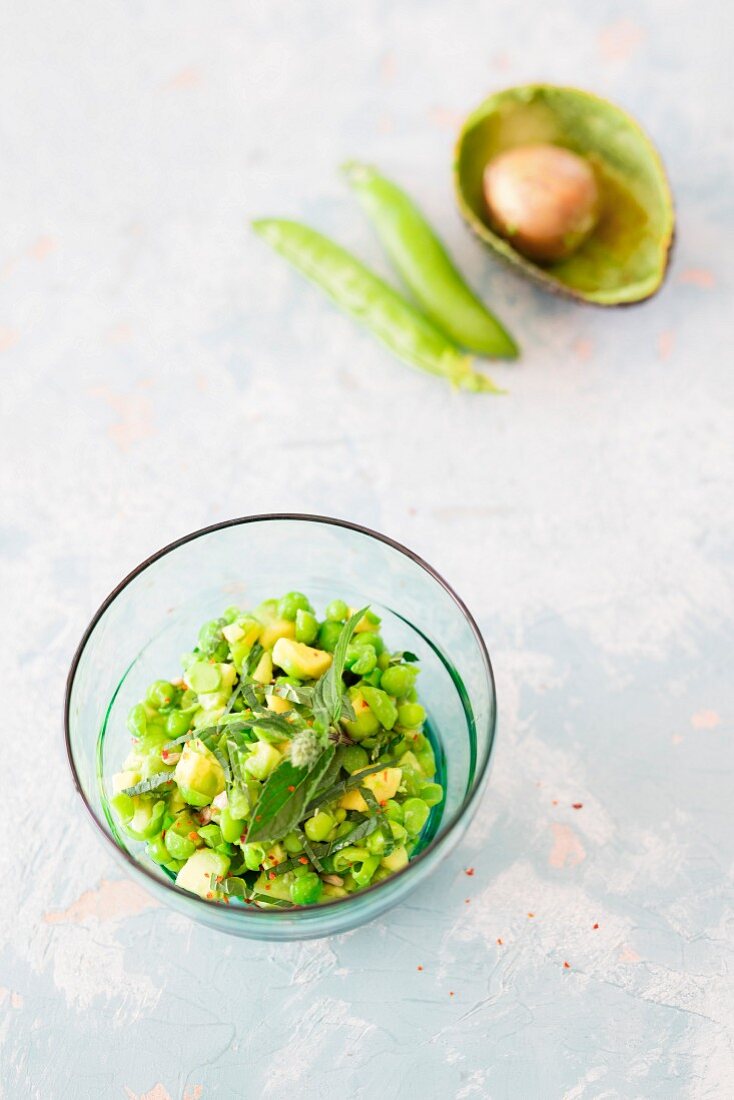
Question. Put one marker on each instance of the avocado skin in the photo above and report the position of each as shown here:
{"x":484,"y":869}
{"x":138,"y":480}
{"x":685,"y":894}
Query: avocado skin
{"x":626,"y":258}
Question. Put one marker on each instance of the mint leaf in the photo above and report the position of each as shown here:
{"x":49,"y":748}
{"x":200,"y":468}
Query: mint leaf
{"x":284,"y":796}
{"x":150,"y":784}
{"x":329,"y":689}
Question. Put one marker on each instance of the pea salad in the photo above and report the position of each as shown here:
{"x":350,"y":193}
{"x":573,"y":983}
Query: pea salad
{"x":289,"y":765}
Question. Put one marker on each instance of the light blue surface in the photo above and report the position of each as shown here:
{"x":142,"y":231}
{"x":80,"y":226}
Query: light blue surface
{"x":162,"y":370}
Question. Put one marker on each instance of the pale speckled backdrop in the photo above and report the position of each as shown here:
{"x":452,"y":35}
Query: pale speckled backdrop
{"x":161,"y":370}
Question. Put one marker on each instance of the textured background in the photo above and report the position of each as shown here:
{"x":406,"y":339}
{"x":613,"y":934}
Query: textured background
{"x":162,"y":370}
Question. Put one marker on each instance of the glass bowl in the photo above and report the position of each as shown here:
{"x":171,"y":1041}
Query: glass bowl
{"x":154,"y":614}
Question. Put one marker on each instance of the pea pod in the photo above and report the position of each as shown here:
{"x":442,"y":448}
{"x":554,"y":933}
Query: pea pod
{"x":370,"y":300}
{"x":425,"y":266}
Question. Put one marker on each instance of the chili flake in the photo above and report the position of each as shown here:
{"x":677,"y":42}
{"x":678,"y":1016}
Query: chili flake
{"x":531,"y":914}
{"x":499,"y":940}
{"x":291,"y":788}
{"x":469,"y":871}
{"x":566,"y":966}
{"x":595,"y":926}
{"x":577,"y":806}
{"x":271,"y":874}
{"x":302,"y":859}
{"x":419,"y":968}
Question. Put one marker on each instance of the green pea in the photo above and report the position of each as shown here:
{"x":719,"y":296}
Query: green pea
{"x":373,"y":678}
{"x":232,"y":827}
{"x":344,"y":827}
{"x":210,"y":636}
{"x":362,"y":874}
{"x":307,"y":626}
{"x":399,"y":832}
{"x":431,"y":793}
{"x":329,"y":635}
{"x":427,"y":761}
{"x":317,"y":828}
{"x":306,"y":889}
{"x":368,"y":638}
{"x":337,"y":611}
{"x":394,"y":810}
{"x":361,"y":660}
{"x":293,"y":843}
{"x":375,"y":843}
{"x":373,"y":302}
{"x":157,"y":851}
{"x":412,"y":696}
{"x":354,"y":759}
{"x":347,"y":856}
{"x":290,"y":604}
{"x":383,"y":661}
{"x":177,"y":723}
{"x":411,"y":715}
{"x":254,"y":856}
{"x":397,"y":680}
{"x":159,"y":694}
{"x":425,"y":266}
{"x":339,"y":814}
{"x":415,"y":815}
{"x":381,"y":706}
{"x":179,"y":847}
{"x":137,"y":720}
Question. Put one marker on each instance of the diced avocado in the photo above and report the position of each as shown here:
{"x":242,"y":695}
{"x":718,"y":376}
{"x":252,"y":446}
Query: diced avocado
{"x":367,"y":623}
{"x":124,"y":779}
{"x":396,"y":860}
{"x":278,"y":628}
{"x":277,"y":704}
{"x":264,"y":671}
{"x":262,"y":760}
{"x":196,"y":873}
{"x":199,"y":774}
{"x":233,"y":632}
{"x":383,"y":785}
{"x":277,"y":887}
{"x":297,"y":659}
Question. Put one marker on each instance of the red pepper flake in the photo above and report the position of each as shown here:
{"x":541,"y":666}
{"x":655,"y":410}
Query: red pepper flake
{"x":451,"y":993}
{"x":469,"y":871}
{"x":531,"y":914}
{"x":302,"y":859}
{"x":193,"y":836}
{"x":595,"y":926}
{"x":419,"y":968}
{"x":291,"y":788}
{"x":167,"y":699}
{"x":554,"y":801}
{"x":384,"y":775}
{"x":577,"y":806}
{"x":566,"y":966}
{"x":243,"y":838}
{"x":499,"y":940}
{"x":271,"y":874}
{"x":259,"y":817}
{"x":267,"y":885}
{"x":210,"y":894}
{"x":467,"y":901}
{"x":164,"y":754}
{"x":383,"y":803}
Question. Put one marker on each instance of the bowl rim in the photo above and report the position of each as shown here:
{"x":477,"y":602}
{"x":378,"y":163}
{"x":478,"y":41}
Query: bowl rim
{"x":285,"y":915}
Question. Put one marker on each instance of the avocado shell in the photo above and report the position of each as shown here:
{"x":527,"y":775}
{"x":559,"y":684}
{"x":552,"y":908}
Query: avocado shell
{"x":626,"y":257}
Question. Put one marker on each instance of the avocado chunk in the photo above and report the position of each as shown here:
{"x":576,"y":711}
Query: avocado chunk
{"x":196,"y":873}
{"x":199,"y":774}
{"x":624,"y":257}
{"x":299,"y":660}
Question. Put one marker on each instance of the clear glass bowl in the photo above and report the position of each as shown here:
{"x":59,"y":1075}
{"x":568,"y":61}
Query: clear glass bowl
{"x":153,"y":616}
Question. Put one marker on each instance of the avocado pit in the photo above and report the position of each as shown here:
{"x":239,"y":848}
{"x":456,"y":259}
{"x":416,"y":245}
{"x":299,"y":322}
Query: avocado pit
{"x":543,"y":198}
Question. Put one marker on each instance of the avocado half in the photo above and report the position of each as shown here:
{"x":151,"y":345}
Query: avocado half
{"x":626,"y":257}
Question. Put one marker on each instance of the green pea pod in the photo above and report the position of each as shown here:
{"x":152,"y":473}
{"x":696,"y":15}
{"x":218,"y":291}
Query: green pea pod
{"x":425,"y":266}
{"x":362,"y":294}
